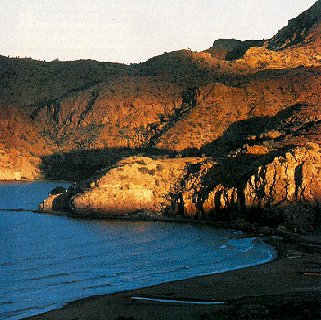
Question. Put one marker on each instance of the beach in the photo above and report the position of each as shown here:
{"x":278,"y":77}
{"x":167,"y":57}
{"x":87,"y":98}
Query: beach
{"x":287,"y":288}
{"x":160,"y":160}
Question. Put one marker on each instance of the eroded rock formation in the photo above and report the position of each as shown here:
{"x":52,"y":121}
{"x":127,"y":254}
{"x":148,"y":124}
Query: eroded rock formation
{"x":134,"y":185}
{"x":226,"y":117}
{"x":289,"y":179}
{"x":283,"y":193}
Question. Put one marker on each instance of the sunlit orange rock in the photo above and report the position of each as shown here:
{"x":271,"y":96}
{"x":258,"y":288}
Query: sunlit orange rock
{"x":292,"y":178}
{"x":136,"y":184}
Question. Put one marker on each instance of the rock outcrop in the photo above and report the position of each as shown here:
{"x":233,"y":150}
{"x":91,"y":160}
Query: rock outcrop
{"x":135,"y":186}
{"x":283,"y":193}
{"x":232,"y":49}
{"x":57,"y":201}
{"x":15,"y":165}
{"x":288,"y":190}
{"x":289,"y":179}
{"x":297,"y":30}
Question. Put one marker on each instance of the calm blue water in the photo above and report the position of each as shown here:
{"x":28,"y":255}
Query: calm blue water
{"x":47,"y":260}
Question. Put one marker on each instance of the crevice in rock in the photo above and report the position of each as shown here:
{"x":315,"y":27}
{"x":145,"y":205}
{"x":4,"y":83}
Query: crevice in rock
{"x":298,"y":178}
{"x":156,"y":130}
{"x":89,"y":106}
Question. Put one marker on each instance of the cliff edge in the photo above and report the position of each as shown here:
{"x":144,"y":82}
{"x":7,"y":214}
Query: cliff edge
{"x":283,"y":194}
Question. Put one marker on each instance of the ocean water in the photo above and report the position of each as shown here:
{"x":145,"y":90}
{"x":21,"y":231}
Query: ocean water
{"x":47,"y":261}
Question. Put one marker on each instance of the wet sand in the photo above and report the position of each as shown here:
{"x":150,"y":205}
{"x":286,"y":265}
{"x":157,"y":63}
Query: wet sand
{"x":286,"y":288}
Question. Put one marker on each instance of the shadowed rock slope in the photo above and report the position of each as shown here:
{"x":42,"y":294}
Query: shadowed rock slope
{"x":217,"y":121}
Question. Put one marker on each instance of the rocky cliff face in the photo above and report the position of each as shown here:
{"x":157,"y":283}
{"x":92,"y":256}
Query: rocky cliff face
{"x":299,"y":30}
{"x":226,"y":117}
{"x":289,"y":179}
{"x":135,"y":186}
{"x":285,"y":193}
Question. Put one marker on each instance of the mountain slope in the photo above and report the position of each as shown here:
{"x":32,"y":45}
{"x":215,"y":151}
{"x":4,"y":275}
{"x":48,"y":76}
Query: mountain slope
{"x":303,"y":29}
{"x":239,"y":107}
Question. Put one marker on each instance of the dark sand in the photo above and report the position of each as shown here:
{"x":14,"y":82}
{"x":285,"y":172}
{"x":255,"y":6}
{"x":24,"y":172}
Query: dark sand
{"x":286,"y":288}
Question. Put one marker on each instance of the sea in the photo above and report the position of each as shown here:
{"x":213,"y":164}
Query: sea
{"x":48,"y":260}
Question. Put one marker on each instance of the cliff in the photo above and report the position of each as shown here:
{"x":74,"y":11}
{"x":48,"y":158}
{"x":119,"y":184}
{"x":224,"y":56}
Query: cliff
{"x":219,"y":116}
{"x":134,"y":186}
{"x":283,"y":194}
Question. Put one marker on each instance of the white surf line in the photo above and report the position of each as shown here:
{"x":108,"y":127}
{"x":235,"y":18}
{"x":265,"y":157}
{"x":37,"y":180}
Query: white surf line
{"x":177,"y":301}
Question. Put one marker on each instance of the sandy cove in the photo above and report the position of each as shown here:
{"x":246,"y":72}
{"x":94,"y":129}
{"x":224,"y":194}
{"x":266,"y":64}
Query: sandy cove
{"x":286,"y":288}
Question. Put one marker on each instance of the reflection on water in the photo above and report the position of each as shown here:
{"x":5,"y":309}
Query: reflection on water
{"x":47,"y":261}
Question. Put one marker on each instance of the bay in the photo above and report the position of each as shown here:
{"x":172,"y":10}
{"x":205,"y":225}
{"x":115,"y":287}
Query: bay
{"x":47,"y":260}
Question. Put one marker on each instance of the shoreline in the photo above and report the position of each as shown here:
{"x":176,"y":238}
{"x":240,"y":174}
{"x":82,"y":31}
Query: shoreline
{"x":288,"y":287}
{"x":289,"y":284}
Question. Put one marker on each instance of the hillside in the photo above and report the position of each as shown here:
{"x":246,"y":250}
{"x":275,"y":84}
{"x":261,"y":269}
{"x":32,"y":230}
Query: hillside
{"x":238,"y":105}
{"x":302,"y":30}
